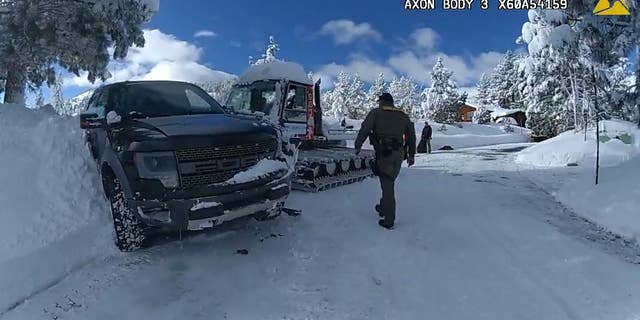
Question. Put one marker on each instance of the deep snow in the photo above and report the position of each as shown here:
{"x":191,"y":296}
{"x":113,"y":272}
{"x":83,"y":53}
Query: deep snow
{"x":53,"y":214}
{"x":571,"y":147}
{"x":614,"y":203}
{"x":49,"y":186}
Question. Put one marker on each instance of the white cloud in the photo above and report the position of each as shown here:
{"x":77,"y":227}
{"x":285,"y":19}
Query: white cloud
{"x":164,"y":57}
{"x":416,"y":62}
{"x":346,"y":31}
{"x":425,"y":38}
{"x":205,"y":34}
{"x":465,"y":71}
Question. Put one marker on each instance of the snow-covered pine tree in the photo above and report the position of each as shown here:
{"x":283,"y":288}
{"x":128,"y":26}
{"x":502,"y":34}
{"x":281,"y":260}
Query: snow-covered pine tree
{"x":326,"y":102}
{"x":403,"y":91}
{"x":503,"y":90}
{"x":378,"y":87}
{"x":356,"y":103}
{"x":341,"y":96}
{"x":442,"y":100}
{"x":620,"y":94}
{"x":270,"y":53}
{"x":483,"y":95}
{"x":75,"y":35}
{"x":39,"y":98}
{"x":605,"y":41}
{"x":57,"y":98}
{"x":553,"y":73}
{"x":219,"y":89}
{"x":482,"y":115}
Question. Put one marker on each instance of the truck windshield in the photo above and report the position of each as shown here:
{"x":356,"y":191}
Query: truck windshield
{"x":256,"y":97}
{"x":160,"y":99}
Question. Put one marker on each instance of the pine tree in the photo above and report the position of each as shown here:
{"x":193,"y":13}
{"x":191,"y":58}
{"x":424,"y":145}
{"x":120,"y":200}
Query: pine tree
{"x":442,"y":100}
{"x":75,"y":35}
{"x":57,"y":97}
{"x":356,"y":101}
{"x":219,"y":89}
{"x":270,"y":53}
{"x":482,"y":115}
{"x":39,"y":99}
{"x":340,"y":96}
{"x":378,"y":87}
{"x":484,"y":90}
{"x":502,"y":86}
{"x":403,"y":91}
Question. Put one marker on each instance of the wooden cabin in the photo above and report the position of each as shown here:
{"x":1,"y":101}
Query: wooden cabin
{"x":465,"y":113}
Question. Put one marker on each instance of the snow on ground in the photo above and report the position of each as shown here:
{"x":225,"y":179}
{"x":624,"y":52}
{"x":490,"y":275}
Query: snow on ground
{"x":470,"y":135}
{"x":614,"y":203}
{"x":334,"y":262}
{"x":50,"y":200}
{"x":570,"y":147}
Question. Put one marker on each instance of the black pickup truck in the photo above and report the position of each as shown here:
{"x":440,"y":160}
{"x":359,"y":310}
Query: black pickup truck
{"x":171,"y":157}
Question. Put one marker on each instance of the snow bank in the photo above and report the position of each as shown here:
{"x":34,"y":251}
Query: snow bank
{"x":260,"y":170}
{"x":570,"y":147}
{"x":275,"y":70}
{"x":49,"y":187}
{"x":614,"y":203}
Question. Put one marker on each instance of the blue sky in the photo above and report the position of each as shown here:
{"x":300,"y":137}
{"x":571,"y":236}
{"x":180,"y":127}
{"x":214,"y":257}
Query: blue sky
{"x":325,"y":37}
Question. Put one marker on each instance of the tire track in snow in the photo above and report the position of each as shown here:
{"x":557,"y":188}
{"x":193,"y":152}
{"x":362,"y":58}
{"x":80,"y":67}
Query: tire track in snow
{"x":571,"y":223}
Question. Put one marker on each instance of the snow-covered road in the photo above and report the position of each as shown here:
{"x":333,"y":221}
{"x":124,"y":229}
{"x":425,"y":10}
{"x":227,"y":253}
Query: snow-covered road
{"x":475,"y":239}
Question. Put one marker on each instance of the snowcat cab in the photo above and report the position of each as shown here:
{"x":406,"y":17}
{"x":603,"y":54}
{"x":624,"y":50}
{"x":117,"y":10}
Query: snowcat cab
{"x":283,"y":92}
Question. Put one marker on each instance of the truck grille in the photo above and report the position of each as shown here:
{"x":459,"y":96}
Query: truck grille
{"x":210,"y":165}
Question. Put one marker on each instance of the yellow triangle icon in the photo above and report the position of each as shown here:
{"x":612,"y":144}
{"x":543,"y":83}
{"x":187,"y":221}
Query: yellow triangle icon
{"x":605,"y":8}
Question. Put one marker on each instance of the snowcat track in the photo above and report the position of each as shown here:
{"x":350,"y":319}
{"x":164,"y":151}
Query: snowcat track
{"x":313,"y":176}
{"x":330,"y":182}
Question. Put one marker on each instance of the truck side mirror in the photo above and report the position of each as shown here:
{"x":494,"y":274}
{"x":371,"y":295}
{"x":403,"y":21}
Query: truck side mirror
{"x":90,"y":121}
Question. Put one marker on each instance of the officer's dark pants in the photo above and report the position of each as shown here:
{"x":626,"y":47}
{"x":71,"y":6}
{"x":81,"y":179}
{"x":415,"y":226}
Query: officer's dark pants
{"x":389,"y":167}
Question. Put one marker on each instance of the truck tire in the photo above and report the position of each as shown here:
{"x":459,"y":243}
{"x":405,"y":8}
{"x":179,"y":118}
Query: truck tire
{"x":270,"y":214}
{"x":129,"y":230}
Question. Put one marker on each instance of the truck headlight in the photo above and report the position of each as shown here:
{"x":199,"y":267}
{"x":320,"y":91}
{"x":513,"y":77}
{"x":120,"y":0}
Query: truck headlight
{"x":159,"y":166}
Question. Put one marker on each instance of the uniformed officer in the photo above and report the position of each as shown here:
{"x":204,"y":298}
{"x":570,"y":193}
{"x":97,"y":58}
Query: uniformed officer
{"x":386,"y":127}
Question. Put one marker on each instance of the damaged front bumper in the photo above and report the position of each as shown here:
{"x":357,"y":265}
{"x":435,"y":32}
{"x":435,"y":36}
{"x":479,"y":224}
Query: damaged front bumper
{"x":201,"y":212}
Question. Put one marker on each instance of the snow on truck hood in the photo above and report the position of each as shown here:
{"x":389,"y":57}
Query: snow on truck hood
{"x":275,"y":70}
{"x":206,"y":124}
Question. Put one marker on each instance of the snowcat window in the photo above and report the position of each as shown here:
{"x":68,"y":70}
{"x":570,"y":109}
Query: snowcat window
{"x":257,"y":97}
{"x":159,"y":99}
{"x":296,"y":105}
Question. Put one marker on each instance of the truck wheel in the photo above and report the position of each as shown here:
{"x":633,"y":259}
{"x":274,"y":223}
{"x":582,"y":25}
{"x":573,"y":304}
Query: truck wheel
{"x":270,"y":214}
{"x":129,"y":230}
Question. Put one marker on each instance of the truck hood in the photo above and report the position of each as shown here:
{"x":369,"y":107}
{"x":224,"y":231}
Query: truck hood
{"x":205,"y":125}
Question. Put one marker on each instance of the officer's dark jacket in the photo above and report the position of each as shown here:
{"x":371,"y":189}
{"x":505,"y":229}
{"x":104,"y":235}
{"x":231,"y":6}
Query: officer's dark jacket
{"x":387,"y":123}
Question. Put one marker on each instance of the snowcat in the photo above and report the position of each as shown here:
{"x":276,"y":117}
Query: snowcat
{"x":283,"y":93}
